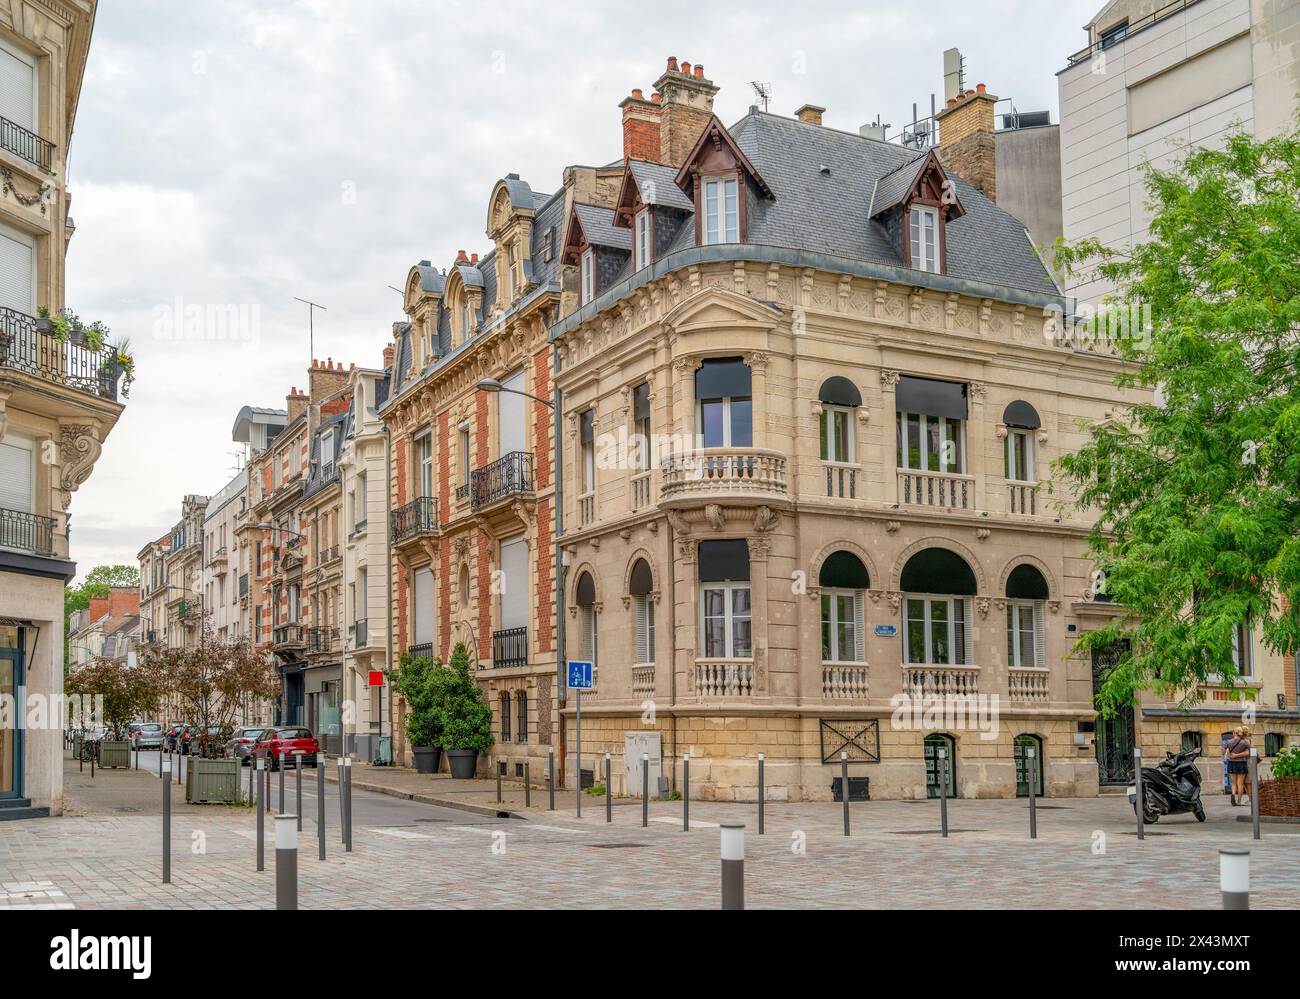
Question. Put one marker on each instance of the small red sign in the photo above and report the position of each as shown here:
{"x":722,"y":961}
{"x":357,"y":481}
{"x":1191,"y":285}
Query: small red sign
{"x":376,"y":678}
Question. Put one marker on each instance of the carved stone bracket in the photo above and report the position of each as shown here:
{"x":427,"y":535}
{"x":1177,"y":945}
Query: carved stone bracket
{"x":982,"y":605}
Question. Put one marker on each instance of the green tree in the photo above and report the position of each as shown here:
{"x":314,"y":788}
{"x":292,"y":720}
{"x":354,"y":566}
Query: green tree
{"x":1197,"y":494}
{"x":467,"y":721}
{"x":96,"y":584}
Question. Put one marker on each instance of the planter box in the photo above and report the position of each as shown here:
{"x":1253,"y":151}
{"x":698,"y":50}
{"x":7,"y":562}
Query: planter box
{"x":115,"y":755}
{"x":1280,"y":796}
{"x":212,"y":781}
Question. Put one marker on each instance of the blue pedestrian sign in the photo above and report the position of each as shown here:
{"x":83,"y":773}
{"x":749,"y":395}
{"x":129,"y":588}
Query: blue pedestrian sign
{"x":579,"y":675}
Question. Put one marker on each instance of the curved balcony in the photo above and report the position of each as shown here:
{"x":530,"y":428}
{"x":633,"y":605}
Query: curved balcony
{"x":718,"y":474}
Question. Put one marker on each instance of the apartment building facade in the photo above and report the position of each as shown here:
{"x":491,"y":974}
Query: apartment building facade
{"x":219,"y":577}
{"x":59,"y":390}
{"x":1155,"y":77}
{"x":107,"y":628}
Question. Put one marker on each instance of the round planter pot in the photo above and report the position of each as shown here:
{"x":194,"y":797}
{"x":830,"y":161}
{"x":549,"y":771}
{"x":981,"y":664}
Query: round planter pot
{"x":463,"y":762}
{"x":427,"y":759}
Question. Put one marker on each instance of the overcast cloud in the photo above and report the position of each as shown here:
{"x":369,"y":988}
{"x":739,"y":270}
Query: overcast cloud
{"x":243,"y":153}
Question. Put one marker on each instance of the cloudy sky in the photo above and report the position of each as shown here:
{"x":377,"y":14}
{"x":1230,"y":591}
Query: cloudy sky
{"x":234,"y":155}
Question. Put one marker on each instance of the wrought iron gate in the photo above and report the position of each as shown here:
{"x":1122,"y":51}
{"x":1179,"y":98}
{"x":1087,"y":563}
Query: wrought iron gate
{"x":1114,"y":736}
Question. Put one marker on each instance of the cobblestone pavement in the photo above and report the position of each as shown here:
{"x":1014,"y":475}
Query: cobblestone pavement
{"x":411,"y":855}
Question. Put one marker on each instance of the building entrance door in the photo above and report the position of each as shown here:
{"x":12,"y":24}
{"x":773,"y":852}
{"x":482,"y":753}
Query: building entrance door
{"x":11,"y":737}
{"x":1114,"y":736}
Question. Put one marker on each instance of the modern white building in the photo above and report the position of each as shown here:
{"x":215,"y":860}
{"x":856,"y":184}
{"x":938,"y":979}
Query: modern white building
{"x":1157,"y":76}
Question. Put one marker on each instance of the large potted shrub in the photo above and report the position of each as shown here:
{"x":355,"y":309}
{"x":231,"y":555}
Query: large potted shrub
{"x":113,"y":694}
{"x":417,"y":680}
{"x":467,"y":721}
{"x":1281,"y":794}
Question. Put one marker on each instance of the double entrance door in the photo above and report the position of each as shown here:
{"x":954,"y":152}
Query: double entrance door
{"x":11,"y":735}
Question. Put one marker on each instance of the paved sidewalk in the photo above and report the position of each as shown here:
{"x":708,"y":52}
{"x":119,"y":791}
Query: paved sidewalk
{"x":409,"y":855}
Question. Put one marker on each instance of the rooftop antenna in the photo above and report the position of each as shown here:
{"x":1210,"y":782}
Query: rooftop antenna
{"x":398,"y":290}
{"x":238,"y":455}
{"x":311,"y":327}
{"x":954,"y":73}
{"x":763,"y":91}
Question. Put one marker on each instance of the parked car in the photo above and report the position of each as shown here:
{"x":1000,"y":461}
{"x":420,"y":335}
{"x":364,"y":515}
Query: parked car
{"x":279,"y":744}
{"x":147,"y":735}
{"x":240,"y":745}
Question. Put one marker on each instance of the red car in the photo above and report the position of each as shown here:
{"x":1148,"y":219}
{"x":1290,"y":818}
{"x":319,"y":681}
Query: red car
{"x":277,"y":745}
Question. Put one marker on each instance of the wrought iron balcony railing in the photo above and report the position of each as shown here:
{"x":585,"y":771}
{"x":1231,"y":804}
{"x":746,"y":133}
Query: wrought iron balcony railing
{"x":322,"y":639}
{"x":420,"y":516}
{"x":421,"y":651}
{"x":509,"y":475}
{"x":510,"y":647}
{"x":26,"y":532}
{"x":26,"y":144}
{"x":25,"y":348}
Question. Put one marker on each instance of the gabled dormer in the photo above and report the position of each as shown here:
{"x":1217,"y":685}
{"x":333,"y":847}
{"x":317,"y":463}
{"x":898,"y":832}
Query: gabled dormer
{"x":597,"y":248}
{"x":915,"y":203}
{"x":510,"y":227}
{"x":720,"y":181}
{"x":652,"y":205}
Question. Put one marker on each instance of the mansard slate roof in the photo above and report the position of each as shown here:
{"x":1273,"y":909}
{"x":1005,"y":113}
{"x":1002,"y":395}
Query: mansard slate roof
{"x":598,"y":226}
{"x":658,"y":185}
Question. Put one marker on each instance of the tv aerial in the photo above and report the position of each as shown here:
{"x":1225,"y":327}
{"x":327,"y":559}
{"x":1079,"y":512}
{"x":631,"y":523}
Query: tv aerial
{"x":763,"y":91}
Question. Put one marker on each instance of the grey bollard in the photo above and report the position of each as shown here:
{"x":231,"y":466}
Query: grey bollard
{"x":844,"y":788}
{"x":1032,"y":772}
{"x":167,"y":829}
{"x":1254,"y":792}
{"x":500,"y":769}
{"x":762,"y":795}
{"x":258,"y":765}
{"x":943,"y":790}
{"x":320,"y":805}
{"x":1234,"y":878}
{"x":297,"y":780}
{"x":343,"y":815}
{"x":528,"y":785}
{"x":286,"y":862}
{"x":347,"y":773}
{"x":645,"y":790}
{"x":686,"y":792}
{"x":733,"y":865}
{"x":609,"y":791}
{"x":1139,"y":803}
{"x":550,"y":779}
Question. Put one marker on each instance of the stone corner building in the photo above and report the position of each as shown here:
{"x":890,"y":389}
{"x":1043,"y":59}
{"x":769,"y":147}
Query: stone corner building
{"x":58,"y":400}
{"x":810,"y":387}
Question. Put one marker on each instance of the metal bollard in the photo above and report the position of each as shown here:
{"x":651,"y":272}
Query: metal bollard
{"x":347,"y":773}
{"x":528,"y":785}
{"x":500,"y":768}
{"x":645,"y":790}
{"x":1234,"y":877}
{"x":297,"y":779}
{"x":343,"y":815}
{"x":320,"y":805}
{"x":844,"y":788}
{"x":286,"y":862}
{"x":280,"y":770}
{"x":137,"y":756}
{"x":94,"y":751}
{"x":943,"y":790}
{"x":261,"y":815}
{"x":251,"y":775}
{"x":266,"y":769}
{"x":167,"y":829}
{"x":609,"y":791}
{"x":733,"y":865}
{"x":1254,"y":792}
{"x":762,"y":796}
{"x":1139,"y":804}
{"x":1031,"y":773}
{"x":686,"y":792}
{"x":550,"y":779}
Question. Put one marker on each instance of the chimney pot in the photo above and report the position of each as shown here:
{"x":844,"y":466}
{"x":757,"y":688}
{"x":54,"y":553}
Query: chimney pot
{"x":979,"y":88}
{"x":656,"y":97}
{"x":638,"y":93}
{"x":686,"y":68}
{"x":699,"y":71}
{"x":461,"y":258}
{"x":473,"y":258}
{"x":672,"y":63}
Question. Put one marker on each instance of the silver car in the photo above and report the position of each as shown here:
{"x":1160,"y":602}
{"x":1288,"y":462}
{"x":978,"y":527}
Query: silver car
{"x":148,"y":735}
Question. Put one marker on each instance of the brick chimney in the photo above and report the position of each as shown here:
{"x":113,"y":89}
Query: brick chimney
{"x":325,"y":378}
{"x":123,"y":600}
{"x":98,"y":608}
{"x":389,"y":353}
{"x":810,"y":114}
{"x":297,"y":403}
{"x":641,"y":124}
{"x":967,"y":144}
{"x":686,"y":106}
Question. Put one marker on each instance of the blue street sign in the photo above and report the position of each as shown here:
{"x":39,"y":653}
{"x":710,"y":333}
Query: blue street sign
{"x":579,"y":675}
{"x":886,"y":631}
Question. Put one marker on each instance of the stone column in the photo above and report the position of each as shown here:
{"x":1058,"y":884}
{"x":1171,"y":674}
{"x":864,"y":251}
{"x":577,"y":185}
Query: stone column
{"x":757,"y":362}
{"x":888,"y":463}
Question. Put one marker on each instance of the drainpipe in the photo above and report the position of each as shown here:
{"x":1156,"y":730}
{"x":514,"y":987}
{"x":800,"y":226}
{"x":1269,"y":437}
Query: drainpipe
{"x":672,"y":651}
{"x":557,"y":467}
{"x":388,"y":551}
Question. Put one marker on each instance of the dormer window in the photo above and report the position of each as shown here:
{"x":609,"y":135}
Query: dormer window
{"x":721,"y":211}
{"x":512,"y":263}
{"x":925,"y":238}
{"x":642,"y":240}
{"x":466,"y":320}
{"x":588,"y":272}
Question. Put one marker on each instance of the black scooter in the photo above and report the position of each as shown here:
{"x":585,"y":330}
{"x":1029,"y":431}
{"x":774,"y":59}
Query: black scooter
{"x":1171,"y":787}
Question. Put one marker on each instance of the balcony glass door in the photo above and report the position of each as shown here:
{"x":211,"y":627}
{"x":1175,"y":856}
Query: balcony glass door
{"x":11,"y":736}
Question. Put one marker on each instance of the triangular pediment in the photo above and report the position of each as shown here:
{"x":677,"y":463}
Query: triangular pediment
{"x":710,"y":307}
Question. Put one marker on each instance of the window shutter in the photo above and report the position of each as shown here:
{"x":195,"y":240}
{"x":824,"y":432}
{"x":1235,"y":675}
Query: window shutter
{"x":17,"y":90}
{"x":1040,"y":657}
{"x":642,"y":631}
{"x":16,"y":474}
{"x":969,"y":622}
{"x":16,"y":270}
{"x":859,"y":627}
{"x":588,"y":633}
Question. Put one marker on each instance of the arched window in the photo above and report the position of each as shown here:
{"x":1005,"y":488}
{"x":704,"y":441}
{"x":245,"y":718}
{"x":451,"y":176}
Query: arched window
{"x":843,"y":580}
{"x":643,"y":610}
{"x":586,"y":598}
{"x":839,"y":398}
{"x":935,"y":767}
{"x":505,"y":716}
{"x":522,"y":700}
{"x":938,"y":586}
{"x":1026,"y":591}
{"x":1022,"y":743}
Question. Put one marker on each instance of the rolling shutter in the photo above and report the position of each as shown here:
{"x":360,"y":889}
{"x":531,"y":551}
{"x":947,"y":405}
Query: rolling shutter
{"x":17,"y":267}
{"x":16,"y":474}
{"x":423,"y":607}
{"x":17,"y":89}
{"x":514,"y":578}
{"x":510,"y":413}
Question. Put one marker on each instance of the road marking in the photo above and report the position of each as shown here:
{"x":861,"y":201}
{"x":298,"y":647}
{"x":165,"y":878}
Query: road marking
{"x":399,"y":833}
{"x":671,"y":820}
{"x":563,"y":829}
{"x":481,"y":830}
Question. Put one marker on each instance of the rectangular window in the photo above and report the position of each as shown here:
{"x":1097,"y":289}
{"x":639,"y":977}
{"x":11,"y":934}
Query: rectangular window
{"x":725,"y":613}
{"x":466,"y":320}
{"x":930,"y":443}
{"x":424,"y":462}
{"x":1020,"y":464}
{"x":465,"y":463}
{"x":726,"y":422}
{"x":836,"y":434}
{"x":587,"y":437}
{"x":842,"y":626}
{"x":925,"y":238}
{"x":588,"y":272}
{"x":512,"y":263}
{"x":18,"y":87}
{"x":17,"y":475}
{"x":645,"y":629}
{"x":721,"y":211}
{"x":936,"y":630}
{"x":642,"y":225}
{"x":1243,"y":653}
{"x":641,"y":427}
{"x":1024,"y":633}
